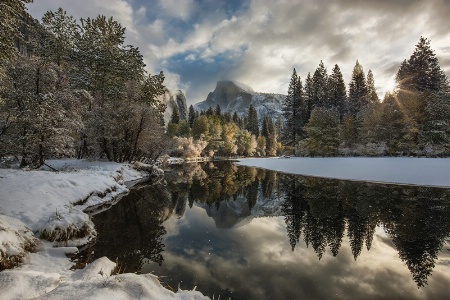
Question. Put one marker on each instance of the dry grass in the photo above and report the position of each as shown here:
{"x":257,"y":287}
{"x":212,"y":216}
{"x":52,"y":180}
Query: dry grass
{"x":11,"y":261}
{"x":71,"y":232}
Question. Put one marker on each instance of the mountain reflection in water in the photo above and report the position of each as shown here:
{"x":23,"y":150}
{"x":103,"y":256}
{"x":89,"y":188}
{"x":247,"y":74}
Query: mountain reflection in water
{"x":248,"y":232}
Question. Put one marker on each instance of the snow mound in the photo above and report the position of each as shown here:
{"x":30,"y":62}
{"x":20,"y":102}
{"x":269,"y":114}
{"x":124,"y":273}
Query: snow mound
{"x":38,"y":197}
{"x":70,"y":227}
{"x":96,"y":282}
{"x":16,"y":240}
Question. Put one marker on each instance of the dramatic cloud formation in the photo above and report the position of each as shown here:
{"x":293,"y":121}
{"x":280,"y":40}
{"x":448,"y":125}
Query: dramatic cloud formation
{"x":258,"y":42}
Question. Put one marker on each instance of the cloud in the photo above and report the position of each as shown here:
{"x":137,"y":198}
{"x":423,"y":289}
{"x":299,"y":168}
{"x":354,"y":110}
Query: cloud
{"x":260,"y":253}
{"x":257,"y":42}
{"x":178,"y":9}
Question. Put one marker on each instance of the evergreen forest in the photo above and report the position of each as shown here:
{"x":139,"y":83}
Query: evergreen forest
{"x":324,"y":118}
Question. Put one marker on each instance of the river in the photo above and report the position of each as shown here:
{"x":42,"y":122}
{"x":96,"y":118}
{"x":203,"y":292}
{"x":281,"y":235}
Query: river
{"x":249,"y":233}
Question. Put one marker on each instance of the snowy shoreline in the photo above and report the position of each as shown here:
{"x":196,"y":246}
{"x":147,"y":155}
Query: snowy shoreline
{"x":432,"y":172}
{"x":53,"y":205}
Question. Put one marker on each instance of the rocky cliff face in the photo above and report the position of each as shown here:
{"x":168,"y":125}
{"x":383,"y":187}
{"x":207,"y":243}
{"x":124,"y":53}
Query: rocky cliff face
{"x":174,"y":100}
{"x":233,"y":96}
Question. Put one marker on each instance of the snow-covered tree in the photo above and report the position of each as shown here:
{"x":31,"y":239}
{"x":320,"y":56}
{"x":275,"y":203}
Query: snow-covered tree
{"x":40,"y":111}
{"x":12,"y":14}
{"x":63,"y":31}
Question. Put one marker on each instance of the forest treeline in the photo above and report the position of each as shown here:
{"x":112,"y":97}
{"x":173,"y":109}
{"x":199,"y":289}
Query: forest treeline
{"x":212,"y":133}
{"x":323,"y":118}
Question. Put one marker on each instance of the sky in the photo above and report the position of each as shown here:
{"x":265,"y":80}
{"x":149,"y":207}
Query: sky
{"x":258,"y":42}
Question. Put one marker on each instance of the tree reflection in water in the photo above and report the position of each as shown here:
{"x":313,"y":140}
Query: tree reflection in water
{"x":416,"y":218}
{"x":317,"y":211}
{"x":131,"y":232}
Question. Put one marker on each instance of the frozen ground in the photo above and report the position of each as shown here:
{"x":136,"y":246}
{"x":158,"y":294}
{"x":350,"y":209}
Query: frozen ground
{"x":50,"y":204}
{"x":401,"y":170}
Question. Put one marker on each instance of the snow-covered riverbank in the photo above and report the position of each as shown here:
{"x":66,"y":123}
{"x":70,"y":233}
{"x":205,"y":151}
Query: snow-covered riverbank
{"x":51,"y":205}
{"x":400,"y":170}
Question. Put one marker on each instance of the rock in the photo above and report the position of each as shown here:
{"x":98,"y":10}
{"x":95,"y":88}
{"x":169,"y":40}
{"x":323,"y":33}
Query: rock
{"x":233,"y":96}
{"x":174,"y":100}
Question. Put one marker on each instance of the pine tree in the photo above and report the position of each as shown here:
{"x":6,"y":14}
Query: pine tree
{"x":371,"y":90}
{"x":218,"y":111}
{"x":63,"y":30}
{"x":421,"y":84}
{"x":236,"y":118}
{"x":294,"y":111}
{"x":175,"y":118}
{"x":210,"y":111}
{"x":252,"y":121}
{"x":191,"y":116}
{"x":337,"y":91}
{"x":393,"y":123}
{"x":320,"y":87}
{"x":348,"y":131}
{"x":265,"y":127}
{"x":435,"y":136}
{"x":309,"y":96}
{"x":357,"y":96}
{"x":421,"y":72}
{"x":200,"y":128}
{"x":322,"y":132}
{"x":279,"y":126}
{"x":271,"y":140}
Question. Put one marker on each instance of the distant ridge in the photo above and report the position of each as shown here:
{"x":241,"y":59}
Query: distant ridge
{"x":233,"y":96}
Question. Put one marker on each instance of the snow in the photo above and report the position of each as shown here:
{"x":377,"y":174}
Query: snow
{"x":35,"y":197}
{"x":50,"y":204}
{"x":16,"y":239}
{"x":399,"y":170}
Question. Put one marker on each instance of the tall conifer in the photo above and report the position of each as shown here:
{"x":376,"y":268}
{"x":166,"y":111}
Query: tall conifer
{"x":337,"y":91}
{"x":357,"y":96}
{"x":294,"y":110}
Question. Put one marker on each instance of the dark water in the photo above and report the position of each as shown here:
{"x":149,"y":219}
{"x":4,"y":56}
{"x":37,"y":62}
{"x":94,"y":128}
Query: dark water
{"x":248,"y":233}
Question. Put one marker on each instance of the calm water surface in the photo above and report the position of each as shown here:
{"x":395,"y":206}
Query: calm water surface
{"x":248,"y":233}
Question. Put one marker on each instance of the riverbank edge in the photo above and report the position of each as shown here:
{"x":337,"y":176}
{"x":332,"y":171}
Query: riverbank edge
{"x":103,"y":267}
